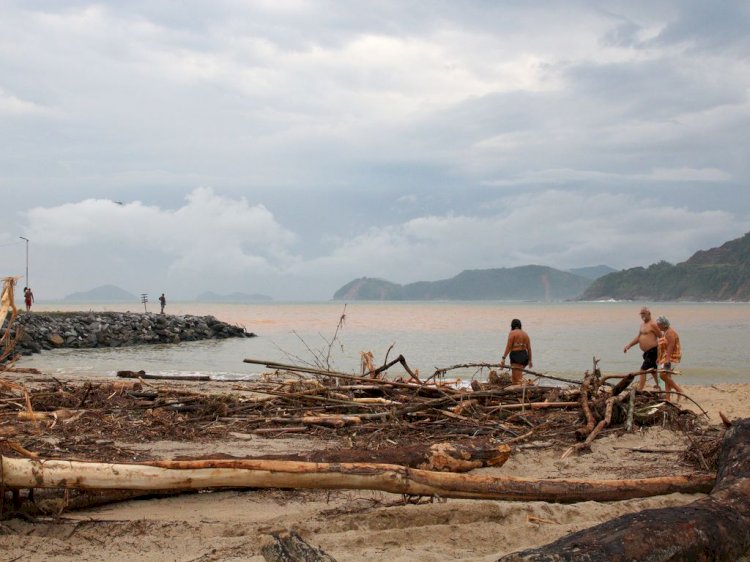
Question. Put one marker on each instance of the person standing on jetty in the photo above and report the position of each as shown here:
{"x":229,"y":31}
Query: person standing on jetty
{"x":648,"y":340}
{"x":162,"y":302}
{"x":518,"y":349}
{"x":670,"y":354}
{"x":28,"y":298}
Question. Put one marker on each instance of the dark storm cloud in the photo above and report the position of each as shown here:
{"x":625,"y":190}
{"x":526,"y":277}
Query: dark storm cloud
{"x":709,"y":27}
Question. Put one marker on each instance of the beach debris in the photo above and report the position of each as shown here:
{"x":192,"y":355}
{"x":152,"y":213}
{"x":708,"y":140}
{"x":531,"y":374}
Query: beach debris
{"x":250,"y":473}
{"x":370,"y":411}
{"x":444,"y":457}
{"x":290,"y":547}
{"x":382,"y":419}
{"x":716,"y":527}
{"x":141,"y":374}
{"x":8,"y":314}
{"x":366,"y":365}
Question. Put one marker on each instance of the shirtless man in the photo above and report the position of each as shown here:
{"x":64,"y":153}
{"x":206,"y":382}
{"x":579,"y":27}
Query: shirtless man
{"x":519,"y":349}
{"x":648,"y":340}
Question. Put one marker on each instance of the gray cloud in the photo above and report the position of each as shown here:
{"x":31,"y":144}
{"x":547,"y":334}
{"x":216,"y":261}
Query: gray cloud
{"x":288,"y":146}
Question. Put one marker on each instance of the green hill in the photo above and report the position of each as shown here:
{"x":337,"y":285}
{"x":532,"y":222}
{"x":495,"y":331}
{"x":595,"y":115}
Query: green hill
{"x":527,"y":283}
{"x":718,"y":274}
{"x":592,"y":272}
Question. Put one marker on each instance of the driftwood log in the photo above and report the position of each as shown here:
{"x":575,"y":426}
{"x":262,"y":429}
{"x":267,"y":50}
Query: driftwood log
{"x":713,"y":528}
{"x":445,"y":457}
{"x":144,"y":375}
{"x":225,"y":473}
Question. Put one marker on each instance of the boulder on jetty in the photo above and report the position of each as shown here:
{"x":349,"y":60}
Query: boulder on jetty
{"x":39,"y":331}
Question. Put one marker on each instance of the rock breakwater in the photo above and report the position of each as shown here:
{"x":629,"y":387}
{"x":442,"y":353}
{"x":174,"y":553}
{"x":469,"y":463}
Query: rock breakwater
{"x":40,"y":331}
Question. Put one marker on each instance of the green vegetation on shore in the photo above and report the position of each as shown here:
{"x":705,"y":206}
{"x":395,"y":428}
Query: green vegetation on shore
{"x":718,"y":274}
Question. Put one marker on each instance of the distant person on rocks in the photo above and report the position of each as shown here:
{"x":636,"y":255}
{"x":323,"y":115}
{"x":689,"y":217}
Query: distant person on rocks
{"x":162,"y":302}
{"x":518,"y":350}
{"x":648,"y":340}
{"x":670,"y":354}
{"x":28,"y":298}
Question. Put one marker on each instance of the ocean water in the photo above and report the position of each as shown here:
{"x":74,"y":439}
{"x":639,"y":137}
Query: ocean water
{"x":566,"y":337}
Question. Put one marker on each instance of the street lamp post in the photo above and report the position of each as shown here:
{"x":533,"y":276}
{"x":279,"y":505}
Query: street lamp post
{"x":27,"y":259}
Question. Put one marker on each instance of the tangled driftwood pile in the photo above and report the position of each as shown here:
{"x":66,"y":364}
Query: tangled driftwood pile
{"x":410,"y":436}
{"x":403,"y":424}
{"x":124,"y":406}
{"x":376,"y":410}
{"x":434,"y":409}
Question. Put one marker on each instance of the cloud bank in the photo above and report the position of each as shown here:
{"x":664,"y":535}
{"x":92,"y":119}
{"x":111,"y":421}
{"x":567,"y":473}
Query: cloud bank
{"x":287,"y":147}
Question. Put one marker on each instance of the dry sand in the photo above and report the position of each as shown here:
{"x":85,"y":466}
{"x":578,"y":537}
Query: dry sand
{"x":233,"y":525}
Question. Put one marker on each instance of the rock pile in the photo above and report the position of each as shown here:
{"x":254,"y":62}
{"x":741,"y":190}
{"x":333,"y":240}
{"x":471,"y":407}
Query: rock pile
{"x":115,"y":329}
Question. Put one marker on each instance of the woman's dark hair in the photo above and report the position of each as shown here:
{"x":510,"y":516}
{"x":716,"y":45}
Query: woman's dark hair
{"x":515,"y":324}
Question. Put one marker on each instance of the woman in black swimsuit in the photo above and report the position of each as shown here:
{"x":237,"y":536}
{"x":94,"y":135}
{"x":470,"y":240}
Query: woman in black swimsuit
{"x":518,"y":349}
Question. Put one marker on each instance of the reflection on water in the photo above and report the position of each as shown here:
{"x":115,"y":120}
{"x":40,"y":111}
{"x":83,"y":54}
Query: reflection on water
{"x":565,"y":338}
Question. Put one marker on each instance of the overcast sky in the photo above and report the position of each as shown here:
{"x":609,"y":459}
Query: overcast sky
{"x":286,"y":147}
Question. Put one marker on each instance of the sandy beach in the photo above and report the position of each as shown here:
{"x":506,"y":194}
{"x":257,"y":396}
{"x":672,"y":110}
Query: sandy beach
{"x":362,"y":525}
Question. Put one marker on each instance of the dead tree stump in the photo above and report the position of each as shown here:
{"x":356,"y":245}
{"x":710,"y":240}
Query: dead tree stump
{"x":290,"y":547}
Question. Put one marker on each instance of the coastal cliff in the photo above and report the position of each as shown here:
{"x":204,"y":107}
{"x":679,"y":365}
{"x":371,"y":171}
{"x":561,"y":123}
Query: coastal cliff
{"x":40,"y":331}
{"x":717,"y":274}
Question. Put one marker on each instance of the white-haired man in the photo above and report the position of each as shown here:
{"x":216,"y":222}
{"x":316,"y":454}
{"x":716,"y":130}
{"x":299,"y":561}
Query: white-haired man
{"x":648,"y":340}
{"x":670,"y":354}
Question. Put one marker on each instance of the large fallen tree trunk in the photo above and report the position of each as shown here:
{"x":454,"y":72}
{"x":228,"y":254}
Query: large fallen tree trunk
{"x":713,"y":528}
{"x":227,"y":473}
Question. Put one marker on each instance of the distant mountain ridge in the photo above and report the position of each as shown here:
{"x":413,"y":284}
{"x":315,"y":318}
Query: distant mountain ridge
{"x":525,"y":283}
{"x":114,"y":294}
{"x":234,"y":298}
{"x":718,"y":274}
{"x":103,"y":293}
{"x":593,"y":272}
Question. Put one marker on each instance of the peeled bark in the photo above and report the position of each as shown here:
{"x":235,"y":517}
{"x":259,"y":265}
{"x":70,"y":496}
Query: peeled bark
{"x":333,"y":420}
{"x":713,"y":528}
{"x":224,"y":473}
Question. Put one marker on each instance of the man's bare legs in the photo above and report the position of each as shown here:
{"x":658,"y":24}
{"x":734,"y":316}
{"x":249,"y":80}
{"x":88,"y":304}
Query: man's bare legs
{"x":642,"y":380}
{"x":670,"y":385}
